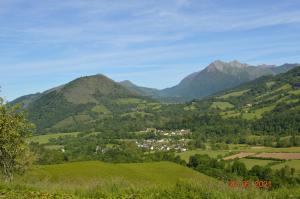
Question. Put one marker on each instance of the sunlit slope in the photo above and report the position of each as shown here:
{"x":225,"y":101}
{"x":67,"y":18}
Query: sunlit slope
{"x":93,"y":174}
{"x":270,"y":103}
{"x":251,"y":101}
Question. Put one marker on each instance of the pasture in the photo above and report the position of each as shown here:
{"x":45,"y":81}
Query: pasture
{"x":252,"y":162}
{"x":222,"y":105}
{"x":96,"y":174}
{"x":290,"y":163}
{"x":212,"y":153}
{"x":44,"y":139}
{"x":96,"y":179}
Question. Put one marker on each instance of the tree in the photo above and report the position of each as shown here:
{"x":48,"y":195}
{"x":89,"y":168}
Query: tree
{"x":15,"y":155}
{"x":239,"y":168}
{"x":199,"y":143}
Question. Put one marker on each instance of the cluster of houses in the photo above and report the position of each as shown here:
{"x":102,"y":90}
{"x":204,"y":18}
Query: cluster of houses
{"x":163,"y":145}
{"x":182,"y":132}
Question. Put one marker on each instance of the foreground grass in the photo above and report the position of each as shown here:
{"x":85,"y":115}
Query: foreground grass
{"x":95,"y":174}
{"x":180,"y":190}
{"x":96,"y":179}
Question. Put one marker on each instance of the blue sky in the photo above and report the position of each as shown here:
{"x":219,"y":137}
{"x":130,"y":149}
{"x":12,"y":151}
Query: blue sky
{"x":152,"y":43}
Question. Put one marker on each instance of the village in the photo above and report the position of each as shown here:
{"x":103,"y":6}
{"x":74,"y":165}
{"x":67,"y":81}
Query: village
{"x":166,"y":140}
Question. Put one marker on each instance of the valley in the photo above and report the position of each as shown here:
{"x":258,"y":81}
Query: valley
{"x":147,"y":99}
{"x":94,"y":137}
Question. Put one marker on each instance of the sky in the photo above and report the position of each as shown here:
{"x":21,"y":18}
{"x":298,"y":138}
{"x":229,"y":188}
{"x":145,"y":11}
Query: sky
{"x":153,"y":43}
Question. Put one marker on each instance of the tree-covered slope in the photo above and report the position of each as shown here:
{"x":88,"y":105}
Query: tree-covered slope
{"x":86,"y":103}
{"x":270,"y":104}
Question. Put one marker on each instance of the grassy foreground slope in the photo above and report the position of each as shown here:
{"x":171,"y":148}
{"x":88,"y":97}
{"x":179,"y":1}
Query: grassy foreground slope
{"x":92,"y":174}
{"x":95,"y":179}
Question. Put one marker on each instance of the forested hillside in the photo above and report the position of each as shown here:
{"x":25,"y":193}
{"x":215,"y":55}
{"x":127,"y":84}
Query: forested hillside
{"x":269,"y":105}
{"x":85,"y":104}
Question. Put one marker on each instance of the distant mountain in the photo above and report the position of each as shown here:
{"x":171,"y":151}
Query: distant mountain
{"x":219,"y":76}
{"x":79,"y":104}
{"x":144,"y":91}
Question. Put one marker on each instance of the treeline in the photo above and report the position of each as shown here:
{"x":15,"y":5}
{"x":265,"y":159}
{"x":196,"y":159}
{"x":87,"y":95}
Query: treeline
{"x":226,"y":171}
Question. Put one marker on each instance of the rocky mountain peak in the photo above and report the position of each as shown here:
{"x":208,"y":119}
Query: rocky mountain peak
{"x":221,"y":65}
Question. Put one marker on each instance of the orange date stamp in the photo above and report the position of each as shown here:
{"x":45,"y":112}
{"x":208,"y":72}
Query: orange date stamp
{"x":260,"y":184}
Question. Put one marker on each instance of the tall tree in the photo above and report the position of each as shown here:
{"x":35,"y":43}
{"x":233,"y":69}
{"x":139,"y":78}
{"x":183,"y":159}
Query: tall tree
{"x":15,"y":156}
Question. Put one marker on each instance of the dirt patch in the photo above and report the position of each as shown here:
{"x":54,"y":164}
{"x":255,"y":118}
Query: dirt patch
{"x":239,"y":155}
{"x":282,"y":156}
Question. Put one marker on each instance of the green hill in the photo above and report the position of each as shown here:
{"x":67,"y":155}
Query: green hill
{"x":269,"y":105}
{"x":84,"y":104}
{"x":252,"y":100}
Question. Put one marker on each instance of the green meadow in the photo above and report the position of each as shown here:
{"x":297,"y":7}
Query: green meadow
{"x":212,"y":153}
{"x":222,"y":105}
{"x":44,"y":139}
{"x":91,"y":175}
{"x":233,"y":94}
{"x":252,"y":162}
{"x":94,"y":179}
{"x":291,"y":163}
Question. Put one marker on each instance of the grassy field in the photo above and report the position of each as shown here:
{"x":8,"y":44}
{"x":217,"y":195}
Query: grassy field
{"x":95,"y":174}
{"x":291,"y":163}
{"x":222,"y":105}
{"x":240,"y":148}
{"x":135,"y":180}
{"x":233,"y":94}
{"x":43,"y":139}
{"x":257,"y":113}
{"x":186,"y":155}
{"x":251,"y":162}
{"x":129,"y":101}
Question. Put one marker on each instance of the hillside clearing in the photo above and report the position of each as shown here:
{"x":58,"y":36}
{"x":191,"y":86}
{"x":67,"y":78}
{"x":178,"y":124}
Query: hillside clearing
{"x":44,"y":139}
{"x":233,"y":94}
{"x":221,"y":105}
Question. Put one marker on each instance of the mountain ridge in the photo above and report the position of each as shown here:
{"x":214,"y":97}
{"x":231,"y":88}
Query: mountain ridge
{"x":106,"y":105}
{"x":217,"y":76}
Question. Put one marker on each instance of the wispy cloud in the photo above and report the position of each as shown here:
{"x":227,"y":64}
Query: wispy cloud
{"x":42,"y":38}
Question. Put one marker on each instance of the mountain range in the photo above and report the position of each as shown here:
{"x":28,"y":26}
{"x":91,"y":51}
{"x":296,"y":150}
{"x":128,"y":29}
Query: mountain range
{"x":97,"y":102}
{"x":216,"y":77}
